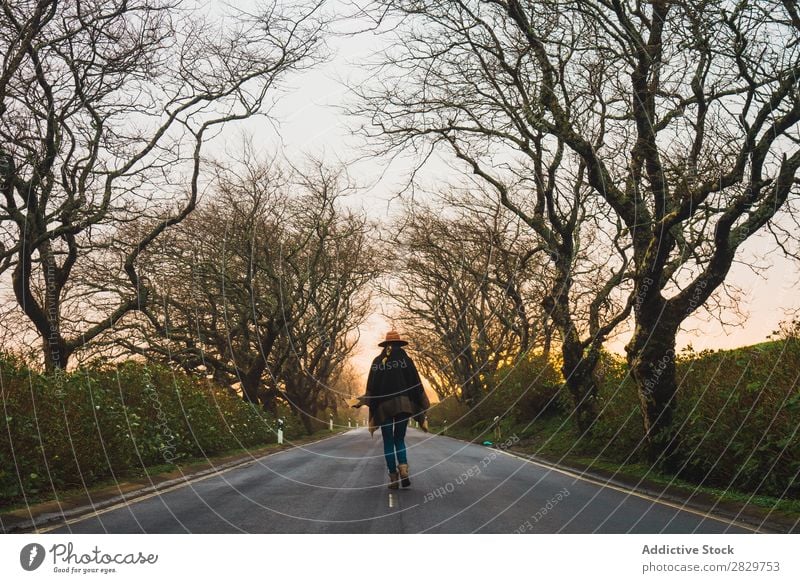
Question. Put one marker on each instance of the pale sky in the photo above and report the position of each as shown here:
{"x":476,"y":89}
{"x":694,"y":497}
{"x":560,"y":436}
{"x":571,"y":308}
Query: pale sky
{"x":310,"y":122}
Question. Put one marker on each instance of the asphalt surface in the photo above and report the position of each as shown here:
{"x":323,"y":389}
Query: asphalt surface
{"x":338,"y":485}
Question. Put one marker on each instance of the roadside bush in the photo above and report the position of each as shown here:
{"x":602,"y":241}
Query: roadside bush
{"x":447,"y":410}
{"x":738,"y":415}
{"x":71,"y":430}
{"x":618,"y":433}
{"x":518,"y":393}
{"x":738,"y":418}
{"x":528,"y":389}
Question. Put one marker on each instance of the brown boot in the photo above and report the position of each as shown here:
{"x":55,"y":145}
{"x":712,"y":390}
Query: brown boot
{"x":393,"y":485}
{"x":403,"y":470}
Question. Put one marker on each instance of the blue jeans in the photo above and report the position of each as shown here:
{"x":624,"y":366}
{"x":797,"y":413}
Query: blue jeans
{"x":394,"y":436}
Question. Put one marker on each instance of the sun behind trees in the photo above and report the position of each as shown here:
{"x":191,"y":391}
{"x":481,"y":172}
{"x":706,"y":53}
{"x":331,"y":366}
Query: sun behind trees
{"x":465,"y":281}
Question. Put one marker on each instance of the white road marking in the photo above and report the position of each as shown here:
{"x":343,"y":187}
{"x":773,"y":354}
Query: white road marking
{"x":183,"y":484}
{"x":635,"y":493}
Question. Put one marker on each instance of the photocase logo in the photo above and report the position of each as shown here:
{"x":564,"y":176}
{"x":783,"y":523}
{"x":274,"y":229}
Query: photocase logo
{"x":31,"y":556}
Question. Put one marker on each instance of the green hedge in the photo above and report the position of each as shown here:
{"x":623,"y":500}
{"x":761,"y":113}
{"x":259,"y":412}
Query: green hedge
{"x":69,"y":431}
{"x":530,"y":389}
{"x":738,"y":416}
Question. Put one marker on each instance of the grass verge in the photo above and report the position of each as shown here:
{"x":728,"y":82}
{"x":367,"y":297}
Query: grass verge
{"x":132,"y":480}
{"x":554,"y":440}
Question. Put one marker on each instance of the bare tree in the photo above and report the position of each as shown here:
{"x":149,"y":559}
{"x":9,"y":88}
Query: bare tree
{"x":325,"y":330}
{"x":463,"y":287}
{"x":470,"y":108}
{"x":106,"y":109}
{"x":219,"y":299}
{"x":584,"y":292}
{"x":262,"y":287}
{"x":682,"y":115}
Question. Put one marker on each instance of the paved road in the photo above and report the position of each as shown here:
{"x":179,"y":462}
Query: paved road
{"x":338,"y":485}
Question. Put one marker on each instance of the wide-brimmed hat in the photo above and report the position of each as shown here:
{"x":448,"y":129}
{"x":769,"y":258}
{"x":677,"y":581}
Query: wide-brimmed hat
{"x":392,"y":336}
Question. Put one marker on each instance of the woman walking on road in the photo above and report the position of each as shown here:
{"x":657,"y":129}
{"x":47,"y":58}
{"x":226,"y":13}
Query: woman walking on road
{"x":394,"y":395}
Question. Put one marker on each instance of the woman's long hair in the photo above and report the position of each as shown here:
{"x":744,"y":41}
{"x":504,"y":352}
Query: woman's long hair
{"x":387,"y":351}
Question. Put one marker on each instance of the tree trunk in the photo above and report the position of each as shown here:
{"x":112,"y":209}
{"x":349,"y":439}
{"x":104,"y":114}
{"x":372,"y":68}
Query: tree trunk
{"x":466,"y":371}
{"x":269,"y":401}
{"x":301,"y":405}
{"x":651,"y":360}
{"x":580,"y":380}
{"x":548,"y":340}
{"x":307,"y":421}
{"x":45,"y":317}
{"x":577,"y":368}
{"x":56,"y":355}
{"x":471,"y":391}
{"x":306,"y":413}
{"x":251,"y":384}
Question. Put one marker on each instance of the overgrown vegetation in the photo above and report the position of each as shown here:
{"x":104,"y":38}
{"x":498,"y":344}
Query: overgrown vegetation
{"x":76,"y":429}
{"x":531,"y":389}
{"x":737,"y":418}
